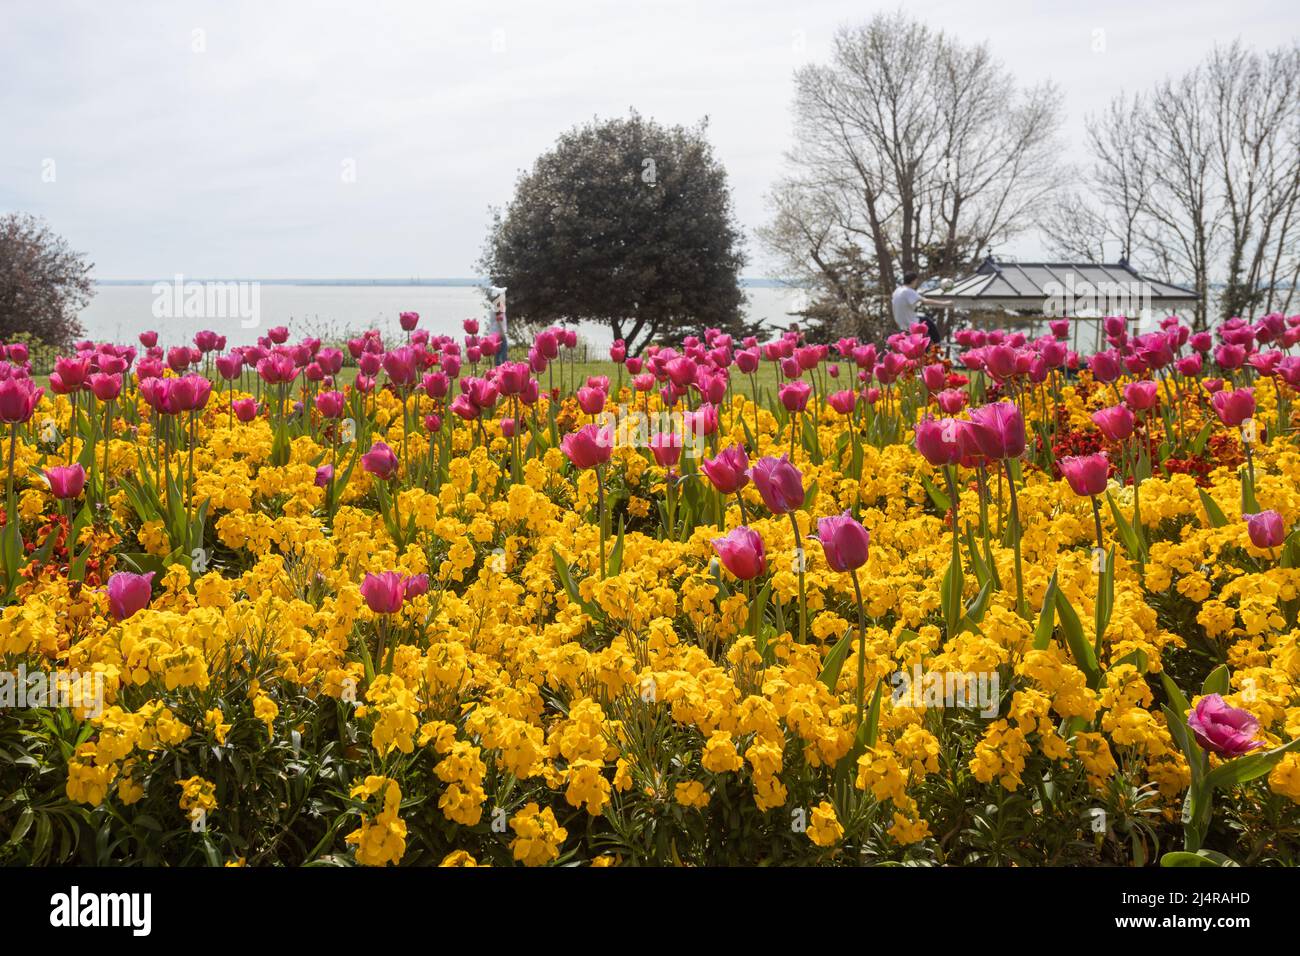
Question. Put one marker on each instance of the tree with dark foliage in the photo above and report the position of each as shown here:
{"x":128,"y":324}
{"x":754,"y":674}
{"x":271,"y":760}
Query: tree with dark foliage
{"x":626,"y":223}
{"x":43,"y":283}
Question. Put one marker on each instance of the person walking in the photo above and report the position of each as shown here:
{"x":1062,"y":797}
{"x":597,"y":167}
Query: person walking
{"x":907,"y":298}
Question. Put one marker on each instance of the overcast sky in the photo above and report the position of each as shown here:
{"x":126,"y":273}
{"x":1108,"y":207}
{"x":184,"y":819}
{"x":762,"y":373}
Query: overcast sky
{"x":216,"y":139}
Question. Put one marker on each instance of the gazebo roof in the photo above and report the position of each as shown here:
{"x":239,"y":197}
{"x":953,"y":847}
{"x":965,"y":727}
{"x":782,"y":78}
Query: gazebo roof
{"x":1065,"y":288}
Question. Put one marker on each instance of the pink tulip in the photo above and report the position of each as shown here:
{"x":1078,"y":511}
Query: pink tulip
{"x":1265,"y":529}
{"x":190,"y":392}
{"x":1087,"y":474}
{"x":1104,"y":366}
{"x":951,"y":400}
{"x":401,"y":364}
{"x":71,"y":374}
{"x":1229,"y":357}
{"x":512,"y":377}
{"x":794,"y":396}
{"x":727,"y":472}
{"x":380,"y":461}
{"x":128,"y":593}
{"x":1141,"y":396}
{"x":1115,"y":422}
{"x":277,"y":369}
{"x":587,"y":447}
{"x":843,"y":402}
{"x":18,"y":399}
{"x":384,"y":592}
{"x":1234,"y":407}
{"x":681,"y":371}
{"x":66,"y":481}
{"x":938,"y":440}
{"x":999,"y":430}
{"x":845,"y":541}
{"x":779,"y":483}
{"x":330,"y":404}
{"x":105,"y":387}
{"x":1226,"y":731}
{"x":229,"y":366}
{"x":666,"y":447}
{"x":245,"y":409}
{"x":591,"y":400}
{"x":742,"y":553}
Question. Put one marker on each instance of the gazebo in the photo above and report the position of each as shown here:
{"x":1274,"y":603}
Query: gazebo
{"x":997,"y":291}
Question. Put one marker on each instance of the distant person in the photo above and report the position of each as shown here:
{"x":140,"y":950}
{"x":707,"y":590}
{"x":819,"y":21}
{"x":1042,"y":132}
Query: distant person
{"x":907,"y":298}
{"x":499,"y":329}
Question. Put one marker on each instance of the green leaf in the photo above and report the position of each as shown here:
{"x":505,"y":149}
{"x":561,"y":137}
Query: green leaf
{"x":1216,"y":682}
{"x":1105,"y":597}
{"x":941,"y":501}
{"x":1179,"y":730}
{"x":22,"y":826}
{"x":1178,"y":701}
{"x":977,"y":605}
{"x":872,"y":724}
{"x":810,"y":497}
{"x":1246,"y":768}
{"x":1125,"y":529}
{"x":1213,"y":513}
{"x":758,"y":609}
{"x":835,"y":659}
{"x":1202,"y":438}
{"x":950,"y":596}
{"x":1182,"y":858}
{"x":367,"y":664}
{"x":1084,"y":658}
{"x":616,"y":556}
{"x":1291,"y":550}
{"x":1017,"y":470}
{"x":566,"y":579}
{"x":749,"y":436}
{"x":812,"y":439}
{"x":1047,"y":617}
{"x":1249,"y":506}
{"x":982,"y":572}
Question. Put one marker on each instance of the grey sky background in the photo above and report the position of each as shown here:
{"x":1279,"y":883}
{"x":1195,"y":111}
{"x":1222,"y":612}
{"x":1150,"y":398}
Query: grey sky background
{"x":231,"y":161}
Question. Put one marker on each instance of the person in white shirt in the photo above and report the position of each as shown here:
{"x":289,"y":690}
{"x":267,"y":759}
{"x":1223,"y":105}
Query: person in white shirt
{"x":499,"y":328}
{"x":907,"y":298}
{"x":497,"y":325}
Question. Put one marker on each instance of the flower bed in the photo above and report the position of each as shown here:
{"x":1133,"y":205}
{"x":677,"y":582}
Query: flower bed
{"x":887,"y":610}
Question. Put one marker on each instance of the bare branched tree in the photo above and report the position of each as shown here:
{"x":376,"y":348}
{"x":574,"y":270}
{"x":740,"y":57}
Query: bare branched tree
{"x":1256,"y":154}
{"x":914,"y":149}
{"x":1079,"y":225}
{"x":1200,"y":181}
